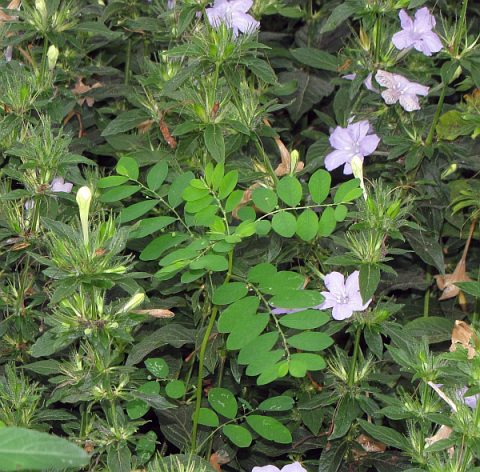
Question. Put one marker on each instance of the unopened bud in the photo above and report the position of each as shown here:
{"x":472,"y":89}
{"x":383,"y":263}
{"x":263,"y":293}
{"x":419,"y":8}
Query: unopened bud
{"x":84,"y":198}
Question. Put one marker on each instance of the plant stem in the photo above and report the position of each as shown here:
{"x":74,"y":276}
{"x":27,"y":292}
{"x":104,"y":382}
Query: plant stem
{"x":436,"y":117}
{"x":44,"y":63}
{"x":426,"y":298}
{"x":462,"y":25}
{"x":353,"y":364}
{"x":128,"y":60}
{"x":201,"y":360}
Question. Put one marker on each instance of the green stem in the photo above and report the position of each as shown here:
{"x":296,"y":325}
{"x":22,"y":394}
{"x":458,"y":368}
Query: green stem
{"x":462,"y":26}
{"x":128,"y":60}
{"x":426,"y":298}
{"x":44,"y":63}
{"x":436,"y":117}
{"x":353,"y":364}
{"x":201,"y":360}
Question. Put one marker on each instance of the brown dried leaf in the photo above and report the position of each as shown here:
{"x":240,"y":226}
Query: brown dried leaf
{"x":370,"y":445}
{"x":81,"y":89}
{"x":463,"y":334}
{"x":155,"y":312}
{"x":443,"y":433}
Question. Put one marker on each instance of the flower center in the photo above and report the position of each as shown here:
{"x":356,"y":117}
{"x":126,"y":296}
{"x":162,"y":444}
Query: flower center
{"x":342,"y":299}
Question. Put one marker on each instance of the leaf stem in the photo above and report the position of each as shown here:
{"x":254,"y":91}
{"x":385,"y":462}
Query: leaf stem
{"x":201,"y":360}
{"x":353,"y":364}
{"x":436,"y":117}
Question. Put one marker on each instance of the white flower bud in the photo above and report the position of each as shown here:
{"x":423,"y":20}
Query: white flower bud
{"x":84,"y":198}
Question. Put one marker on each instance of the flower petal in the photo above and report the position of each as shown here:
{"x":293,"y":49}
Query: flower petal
{"x":244,"y":22}
{"x":409,"y":102}
{"x":336,"y":159}
{"x":335,"y":283}
{"x":430,"y":43}
{"x":368,"y":144}
{"x":341,"y":138}
{"x":424,"y":20}
{"x":266,"y":468}
{"x":405,"y":21}
{"x":342,"y":311}
{"x":241,"y":5}
{"x":385,"y":79}
{"x":390,"y":96}
{"x":358,"y":130}
{"x":403,"y":39}
{"x":295,"y":467}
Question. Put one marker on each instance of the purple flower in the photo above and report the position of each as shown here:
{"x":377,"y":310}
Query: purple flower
{"x":470,"y":401}
{"x":295,"y":467}
{"x":232,"y":13}
{"x":59,"y":185}
{"x":343,"y":296}
{"x":417,"y":33}
{"x":401,"y":90}
{"x":349,"y":142}
{"x":367,"y":82}
{"x":171,"y":4}
{"x":29,"y":205}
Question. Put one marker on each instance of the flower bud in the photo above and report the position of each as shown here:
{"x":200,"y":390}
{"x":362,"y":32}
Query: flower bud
{"x":135,"y":301}
{"x":357,"y":169}
{"x":84,"y":198}
{"x":52,"y":56}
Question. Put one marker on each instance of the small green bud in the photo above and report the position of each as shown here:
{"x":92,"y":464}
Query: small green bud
{"x":52,"y":56}
{"x":84,"y":198}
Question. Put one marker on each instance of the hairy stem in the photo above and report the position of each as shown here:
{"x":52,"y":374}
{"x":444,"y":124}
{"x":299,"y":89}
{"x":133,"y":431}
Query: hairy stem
{"x":353,"y":364}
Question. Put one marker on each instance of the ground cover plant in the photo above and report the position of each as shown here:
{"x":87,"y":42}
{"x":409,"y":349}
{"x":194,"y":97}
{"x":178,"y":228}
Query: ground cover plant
{"x":239,"y":235}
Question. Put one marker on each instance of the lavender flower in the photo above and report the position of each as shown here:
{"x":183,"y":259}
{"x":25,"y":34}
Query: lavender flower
{"x":59,"y":185}
{"x":401,"y":90}
{"x":295,"y":467}
{"x":349,"y":142}
{"x":343,"y":296}
{"x":367,"y":82}
{"x":171,"y":4}
{"x":417,"y":33}
{"x":232,"y":13}
{"x":470,"y":401}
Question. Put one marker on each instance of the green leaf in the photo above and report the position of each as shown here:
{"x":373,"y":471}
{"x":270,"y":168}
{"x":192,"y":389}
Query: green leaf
{"x":112,"y":181}
{"x":341,"y":212}
{"x":119,"y":193}
{"x":472,"y":288}
{"x":265,"y":199}
{"x":239,"y":435}
{"x":279,"y":282}
{"x":137,"y":408}
{"x":229,"y":318}
{"x":310,"y":341}
{"x":308,"y":319}
{"x":434,"y":328}
{"x":119,"y":458}
{"x":214,"y":142}
{"x":157,"y":175}
{"x":151,"y":225}
{"x":386,"y":435}
{"x":312,"y":362}
{"x":136,"y":210}
{"x":213,"y":262}
{"x":228,"y":184}
{"x":344,"y":191}
{"x":427,"y":248}
{"x":125,"y":122}
{"x":284,"y":224}
{"x":307,"y":225}
{"x":261,"y":69}
{"x":297,"y":299}
{"x":316,"y":58}
{"x":369,"y":279}
{"x":128,"y":167}
{"x":261,"y":272}
{"x":158,"y":367}
{"x":249,"y":328}
{"x":229,"y":293}
{"x":175,"y":389}
{"x":158,"y":246}
{"x":257,"y":347}
{"x":208,"y":417}
{"x":339,"y":15}
{"x":177,"y":187}
{"x":289,"y":190}
{"x":281,"y":403}
{"x":327,"y":222}
{"x":22,"y":449}
{"x":223,"y":402}
{"x":263,"y":227}
{"x":347,"y":412}
{"x":319,"y":185}
{"x":270,"y":428}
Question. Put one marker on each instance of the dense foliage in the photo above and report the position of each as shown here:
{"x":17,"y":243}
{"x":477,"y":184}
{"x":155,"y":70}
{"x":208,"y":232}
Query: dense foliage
{"x":239,"y":235}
